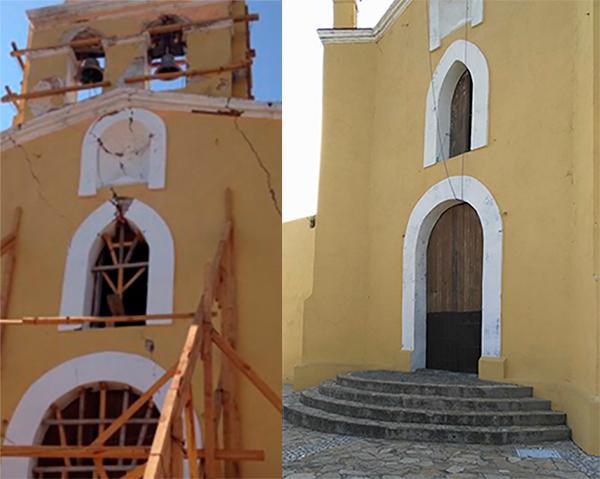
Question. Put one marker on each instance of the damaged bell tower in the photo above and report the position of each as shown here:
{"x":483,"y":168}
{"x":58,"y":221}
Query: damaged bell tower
{"x":84,"y":48}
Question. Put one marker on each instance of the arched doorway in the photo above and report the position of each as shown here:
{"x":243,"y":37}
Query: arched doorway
{"x":454,"y":291}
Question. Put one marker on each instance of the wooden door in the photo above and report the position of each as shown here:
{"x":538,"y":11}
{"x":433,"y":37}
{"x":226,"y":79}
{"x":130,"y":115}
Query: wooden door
{"x":454,"y":272}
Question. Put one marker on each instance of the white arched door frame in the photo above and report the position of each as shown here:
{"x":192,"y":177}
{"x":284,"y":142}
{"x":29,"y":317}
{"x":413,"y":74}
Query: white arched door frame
{"x":78,"y":282}
{"x":423,"y":218}
{"x":25,"y":428}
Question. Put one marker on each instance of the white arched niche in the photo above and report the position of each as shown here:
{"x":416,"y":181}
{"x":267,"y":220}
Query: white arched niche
{"x":125,"y":147}
{"x":459,"y":56}
{"x":85,"y":245}
{"x":446,"y":16}
{"x":25,"y":428}
{"x":423,"y":218}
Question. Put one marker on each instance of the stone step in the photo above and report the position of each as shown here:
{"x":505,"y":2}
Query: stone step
{"x":437,"y":403}
{"x":306,"y":416}
{"x":314,"y":399}
{"x":403,"y":383}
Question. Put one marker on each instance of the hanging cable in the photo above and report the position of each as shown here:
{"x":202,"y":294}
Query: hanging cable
{"x":435,"y":108}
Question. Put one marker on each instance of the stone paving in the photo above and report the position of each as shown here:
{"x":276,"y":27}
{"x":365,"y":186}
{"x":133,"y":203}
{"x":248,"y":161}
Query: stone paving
{"x":310,"y":454}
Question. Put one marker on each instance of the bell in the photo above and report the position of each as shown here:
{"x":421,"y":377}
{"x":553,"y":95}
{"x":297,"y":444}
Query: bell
{"x":90,"y":71}
{"x":168,"y":64}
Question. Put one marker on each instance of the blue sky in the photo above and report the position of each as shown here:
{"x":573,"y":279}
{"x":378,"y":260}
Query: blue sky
{"x":265,"y":39}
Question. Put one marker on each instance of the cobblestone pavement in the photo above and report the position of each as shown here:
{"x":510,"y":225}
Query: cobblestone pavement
{"x":310,"y":454}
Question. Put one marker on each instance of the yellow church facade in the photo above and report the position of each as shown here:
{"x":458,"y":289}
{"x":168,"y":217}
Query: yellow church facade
{"x":460,"y":178}
{"x":121,"y":202}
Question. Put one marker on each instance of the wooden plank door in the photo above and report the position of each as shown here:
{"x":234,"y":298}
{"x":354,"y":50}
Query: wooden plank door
{"x":454,"y":272}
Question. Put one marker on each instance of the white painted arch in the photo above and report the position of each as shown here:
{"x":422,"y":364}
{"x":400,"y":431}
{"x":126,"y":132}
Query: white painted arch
{"x":423,"y":218}
{"x":84,"y":248}
{"x":137,"y":371}
{"x":130,"y":125}
{"x":460,"y":54}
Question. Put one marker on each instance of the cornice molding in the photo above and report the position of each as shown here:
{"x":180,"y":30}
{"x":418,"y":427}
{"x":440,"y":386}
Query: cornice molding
{"x":116,"y":100}
{"x":67,"y":12}
{"x":365,"y":35}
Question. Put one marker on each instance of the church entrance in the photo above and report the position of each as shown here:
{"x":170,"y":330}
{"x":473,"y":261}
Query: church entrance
{"x":454,"y":279}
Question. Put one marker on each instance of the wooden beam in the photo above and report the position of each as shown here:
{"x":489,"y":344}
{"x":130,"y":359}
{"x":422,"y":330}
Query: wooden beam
{"x":14,"y":47}
{"x":61,"y":432}
{"x":247,"y":370}
{"x":133,"y":278}
{"x":188,"y":73}
{"x":177,"y":450}
{"x":45,"y":320}
{"x":172,"y":407}
{"x":190,"y":431}
{"x":53,"y":91}
{"x":99,"y":422}
{"x":67,"y":469}
{"x":229,"y":324}
{"x":112,"y":267}
{"x":131,"y":410}
{"x":209,"y":439}
{"x":86,"y":42}
{"x":102,"y":407}
{"x":135,"y":473}
{"x":116,"y":452}
{"x":91,"y":451}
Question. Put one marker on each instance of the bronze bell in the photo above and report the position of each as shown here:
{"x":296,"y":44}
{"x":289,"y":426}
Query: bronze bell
{"x":90,"y":71}
{"x":168,"y":64}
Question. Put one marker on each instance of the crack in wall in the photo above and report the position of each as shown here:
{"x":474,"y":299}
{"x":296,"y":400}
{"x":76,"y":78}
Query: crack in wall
{"x":35,"y":176}
{"x":262,"y":166}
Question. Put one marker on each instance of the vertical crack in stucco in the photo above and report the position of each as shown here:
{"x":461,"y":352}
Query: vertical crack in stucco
{"x":262,"y":166}
{"x":35,"y":176}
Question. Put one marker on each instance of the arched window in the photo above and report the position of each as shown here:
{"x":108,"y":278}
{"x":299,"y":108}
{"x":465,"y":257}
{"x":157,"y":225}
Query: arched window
{"x":121,"y":273}
{"x":461,"y":109}
{"x":456,"y":116}
{"x":80,"y":416}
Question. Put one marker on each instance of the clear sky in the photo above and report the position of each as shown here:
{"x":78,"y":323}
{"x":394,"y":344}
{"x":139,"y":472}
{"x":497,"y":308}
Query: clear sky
{"x":265,"y":39}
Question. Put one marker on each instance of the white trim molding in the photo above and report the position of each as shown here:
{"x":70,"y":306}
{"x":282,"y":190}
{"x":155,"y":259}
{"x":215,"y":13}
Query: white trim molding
{"x":85,"y":245}
{"x":423,"y":218}
{"x":94,"y":152}
{"x":25,"y":423}
{"x":445,"y":16}
{"x":460,"y":54}
{"x":365,"y":35}
{"x":122,"y":98}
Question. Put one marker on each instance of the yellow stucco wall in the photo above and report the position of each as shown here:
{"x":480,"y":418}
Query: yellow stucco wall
{"x":298,"y":246}
{"x":541,"y":164}
{"x":206,"y":154}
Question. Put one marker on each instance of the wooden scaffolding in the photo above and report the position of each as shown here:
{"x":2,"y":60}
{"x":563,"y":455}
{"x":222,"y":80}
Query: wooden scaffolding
{"x":175,"y":438}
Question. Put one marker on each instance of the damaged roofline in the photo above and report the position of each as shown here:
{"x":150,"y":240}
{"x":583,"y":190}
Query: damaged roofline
{"x":134,"y":97}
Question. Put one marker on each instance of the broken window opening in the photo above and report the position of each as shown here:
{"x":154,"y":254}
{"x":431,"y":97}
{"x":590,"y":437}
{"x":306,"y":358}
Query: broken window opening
{"x":121,"y":275}
{"x":83,"y":416}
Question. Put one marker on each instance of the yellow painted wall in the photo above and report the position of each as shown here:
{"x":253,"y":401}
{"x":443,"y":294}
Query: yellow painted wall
{"x":541,"y":165}
{"x":298,"y":246}
{"x":206,"y":154}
